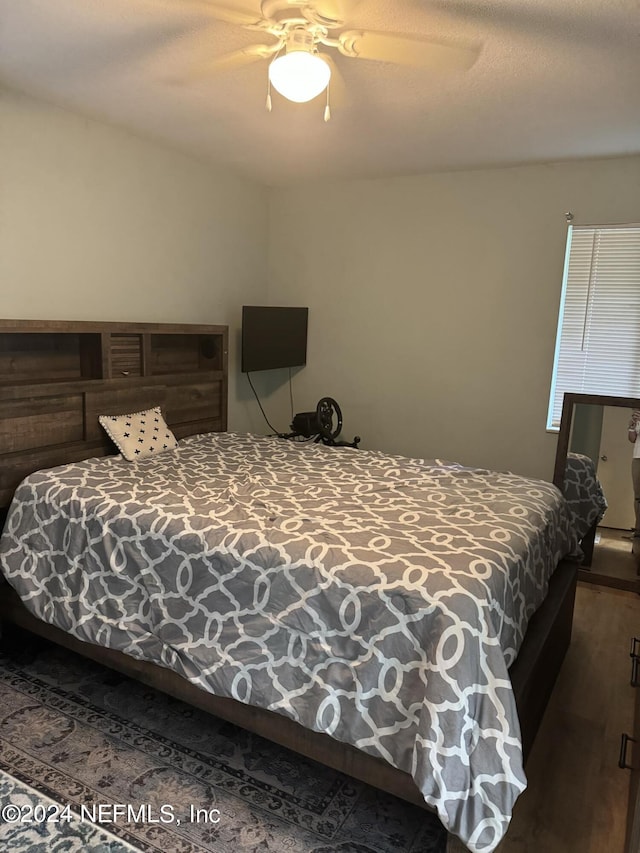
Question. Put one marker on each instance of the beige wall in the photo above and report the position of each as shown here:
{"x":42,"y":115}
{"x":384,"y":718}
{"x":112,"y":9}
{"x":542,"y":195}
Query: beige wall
{"x":434,"y":300}
{"x":96,"y":223}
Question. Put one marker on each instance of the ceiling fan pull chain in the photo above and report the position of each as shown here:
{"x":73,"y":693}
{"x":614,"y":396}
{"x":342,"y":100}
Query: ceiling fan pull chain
{"x":268,"y":105}
{"x":327,"y":109}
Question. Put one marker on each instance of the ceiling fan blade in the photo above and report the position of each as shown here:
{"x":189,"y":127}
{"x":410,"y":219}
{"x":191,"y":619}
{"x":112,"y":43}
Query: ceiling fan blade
{"x":562,"y":23}
{"x":235,"y":59}
{"x":228,"y":12}
{"x":401,"y":49}
{"x":334,"y":11}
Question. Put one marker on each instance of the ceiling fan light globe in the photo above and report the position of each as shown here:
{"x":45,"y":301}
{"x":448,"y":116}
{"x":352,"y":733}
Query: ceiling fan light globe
{"x":299,"y":76}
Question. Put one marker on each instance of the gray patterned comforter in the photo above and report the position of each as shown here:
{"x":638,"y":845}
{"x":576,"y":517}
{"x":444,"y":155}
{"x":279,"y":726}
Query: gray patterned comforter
{"x":584,"y":493}
{"x":376,"y":598}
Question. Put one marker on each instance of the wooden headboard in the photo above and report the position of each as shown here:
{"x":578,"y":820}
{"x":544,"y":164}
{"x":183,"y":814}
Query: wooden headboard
{"x":56,"y":377}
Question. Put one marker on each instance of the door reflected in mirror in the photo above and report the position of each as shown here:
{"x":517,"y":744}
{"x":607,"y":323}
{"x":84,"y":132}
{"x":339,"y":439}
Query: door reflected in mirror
{"x":595,"y":450}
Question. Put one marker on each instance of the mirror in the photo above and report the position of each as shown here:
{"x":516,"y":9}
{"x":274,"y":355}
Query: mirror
{"x":593,"y":446}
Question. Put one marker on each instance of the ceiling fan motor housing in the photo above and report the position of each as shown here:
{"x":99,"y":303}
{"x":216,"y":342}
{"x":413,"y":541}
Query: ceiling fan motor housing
{"x":285,"y":11}
{"x":301,"y":38}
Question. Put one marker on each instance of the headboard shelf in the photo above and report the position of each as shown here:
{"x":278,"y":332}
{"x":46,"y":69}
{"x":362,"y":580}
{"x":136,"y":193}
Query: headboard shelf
{"x":27,"y":356}
{"x":175,"y":353}
{"x":56,"y":377}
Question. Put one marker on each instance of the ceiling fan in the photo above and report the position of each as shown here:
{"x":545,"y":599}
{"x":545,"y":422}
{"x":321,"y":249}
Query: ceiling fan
{"x":299,"y":67}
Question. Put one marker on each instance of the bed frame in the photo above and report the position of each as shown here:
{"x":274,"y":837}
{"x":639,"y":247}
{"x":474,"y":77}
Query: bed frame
{"x":56,"y":378}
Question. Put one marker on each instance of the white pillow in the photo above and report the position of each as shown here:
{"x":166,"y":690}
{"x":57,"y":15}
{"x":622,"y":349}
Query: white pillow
{"x":139,"y":434}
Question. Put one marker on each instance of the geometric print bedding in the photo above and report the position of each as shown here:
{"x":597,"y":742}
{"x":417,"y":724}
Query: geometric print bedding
{"x":583,"y":492}
{"x":375,"y":598}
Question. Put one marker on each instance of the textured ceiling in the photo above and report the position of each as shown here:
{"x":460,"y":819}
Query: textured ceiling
{"x":554,"y":79}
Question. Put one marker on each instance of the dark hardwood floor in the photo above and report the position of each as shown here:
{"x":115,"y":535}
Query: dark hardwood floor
{"x":616,"y":554}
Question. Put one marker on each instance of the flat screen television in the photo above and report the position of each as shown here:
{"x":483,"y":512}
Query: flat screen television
{"x":273,"y":337}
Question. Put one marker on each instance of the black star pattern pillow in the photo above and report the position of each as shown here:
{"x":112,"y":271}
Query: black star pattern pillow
{"x":139,"y":434}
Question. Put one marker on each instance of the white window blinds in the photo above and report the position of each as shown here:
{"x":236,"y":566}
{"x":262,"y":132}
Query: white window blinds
{"x":598,"y":342}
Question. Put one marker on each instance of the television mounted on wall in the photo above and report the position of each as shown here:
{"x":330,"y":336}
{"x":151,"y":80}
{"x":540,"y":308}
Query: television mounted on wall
{"x":273,"y":337}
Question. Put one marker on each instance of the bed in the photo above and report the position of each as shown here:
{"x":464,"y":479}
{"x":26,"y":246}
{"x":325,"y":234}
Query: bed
{"x":284,"y":586}
{"x":585,"y":496}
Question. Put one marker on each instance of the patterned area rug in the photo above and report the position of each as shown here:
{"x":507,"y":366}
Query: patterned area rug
{"x":163,"y":776}
{"x":27,"y":825}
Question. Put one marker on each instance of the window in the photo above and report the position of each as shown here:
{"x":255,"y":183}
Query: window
{"x":598,"y":341}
